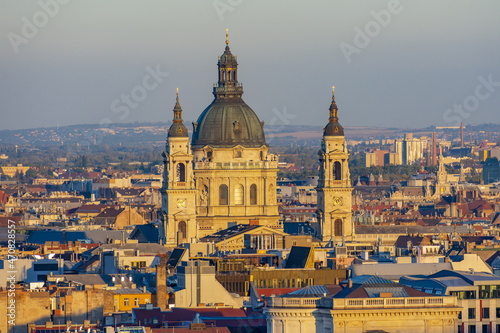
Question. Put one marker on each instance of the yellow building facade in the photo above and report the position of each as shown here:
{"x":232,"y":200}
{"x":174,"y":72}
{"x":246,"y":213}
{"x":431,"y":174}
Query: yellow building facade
{"x":125,"y":301}
{"x":359,"y":315}
{"x":225,"y":175}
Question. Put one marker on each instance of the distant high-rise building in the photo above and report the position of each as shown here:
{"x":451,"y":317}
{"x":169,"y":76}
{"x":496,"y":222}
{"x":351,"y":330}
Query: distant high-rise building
{"x":491,"y":170}
{"x":410,"y":149}
{"x":376,"y":158}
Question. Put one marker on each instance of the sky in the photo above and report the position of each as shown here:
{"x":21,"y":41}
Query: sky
{"x":393,"y":63}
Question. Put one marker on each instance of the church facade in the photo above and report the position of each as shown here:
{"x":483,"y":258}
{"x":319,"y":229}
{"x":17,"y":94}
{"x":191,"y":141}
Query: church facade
{"x":225,"y":175}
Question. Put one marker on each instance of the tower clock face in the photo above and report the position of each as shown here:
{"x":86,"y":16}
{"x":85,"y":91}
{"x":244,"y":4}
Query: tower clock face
{"x":338,"y":201}
{"x":181,"y":203}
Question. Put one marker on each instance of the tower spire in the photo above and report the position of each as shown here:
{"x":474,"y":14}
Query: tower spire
{"x":177,"y":108}
{"x":177,"y":129}
{"x":333,"y":128}
{"x":333,"y":107}
{"x":227,"y":86}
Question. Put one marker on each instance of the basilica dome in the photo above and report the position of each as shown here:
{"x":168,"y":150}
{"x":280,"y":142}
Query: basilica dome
{"x":228,"y":124}
{"x":228,"y":121}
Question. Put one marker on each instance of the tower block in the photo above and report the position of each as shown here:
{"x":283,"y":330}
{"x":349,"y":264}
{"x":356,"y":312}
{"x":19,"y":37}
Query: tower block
{"x":334,"y":185}
{"x":178,"y":188}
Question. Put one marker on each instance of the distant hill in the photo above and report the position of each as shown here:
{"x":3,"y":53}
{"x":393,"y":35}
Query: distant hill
{"x":156,"y":133}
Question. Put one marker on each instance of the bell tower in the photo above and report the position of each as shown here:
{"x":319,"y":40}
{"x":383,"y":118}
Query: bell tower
{"x":334,"y":184}
{"x":178,"y":187}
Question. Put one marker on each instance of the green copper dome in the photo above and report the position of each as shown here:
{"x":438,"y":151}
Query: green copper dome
{"x":228,"y":121}
{"x":228,"y":124}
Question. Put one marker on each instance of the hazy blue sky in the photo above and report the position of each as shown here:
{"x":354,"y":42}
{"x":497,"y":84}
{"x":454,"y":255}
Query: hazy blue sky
{"x":418,"y":60}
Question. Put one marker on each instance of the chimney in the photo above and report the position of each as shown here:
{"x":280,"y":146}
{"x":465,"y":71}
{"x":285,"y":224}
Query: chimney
{"x":161,"y":284}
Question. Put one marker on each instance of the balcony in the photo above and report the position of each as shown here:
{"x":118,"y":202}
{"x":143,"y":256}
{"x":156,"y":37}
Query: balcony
{"x":361,"y":303}
{"x":236,"y":165}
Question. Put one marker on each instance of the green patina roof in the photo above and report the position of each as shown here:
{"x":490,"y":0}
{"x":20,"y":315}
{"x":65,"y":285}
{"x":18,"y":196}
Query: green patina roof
{"x":228,"y":124}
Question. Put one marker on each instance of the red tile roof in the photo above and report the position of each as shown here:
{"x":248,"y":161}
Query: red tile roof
{"x":274,"y":291}
{"x":222,"y":317}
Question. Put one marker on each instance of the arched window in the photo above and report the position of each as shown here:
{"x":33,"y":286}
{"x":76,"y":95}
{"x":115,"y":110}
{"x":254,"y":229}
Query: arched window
{"x":181,"y":230}
{"x":181,"y":172}
{"x":337,"y":228}
{"x":337,"y":171}
{"x":223,"y":195}
{"x":238,"y":195}
{"x":253,"y":194}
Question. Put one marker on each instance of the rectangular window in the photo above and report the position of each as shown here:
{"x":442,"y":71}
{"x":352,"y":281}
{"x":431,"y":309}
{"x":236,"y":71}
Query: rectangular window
{"x":469,"y":294}
{"x":486,"y":328}
{"x":126,"y":302}
{"x":472,"y":328}
{"x":472,"y":313}
{"x":136,"y":301}
{"x":486,"y":313}
{"x":138,"y":264}
{"x":45,"y":267}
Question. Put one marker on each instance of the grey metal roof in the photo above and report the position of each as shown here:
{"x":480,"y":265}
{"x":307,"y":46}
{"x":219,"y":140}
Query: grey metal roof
{"x":143,"y":248}
{"x":395,"y":271}
{"x":310,"y":290}
{"x":446,"y":280}
{"x":229,"y":232}
{"x":128,"y":291}
{"x":370,"y":279}
{"x":85,"y":279}
{"x":476,"y":278}
{"x":412,"y":229}
{"x":61,"y":236}
{"x":395,"y":291}
{"x":145,"y":233}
